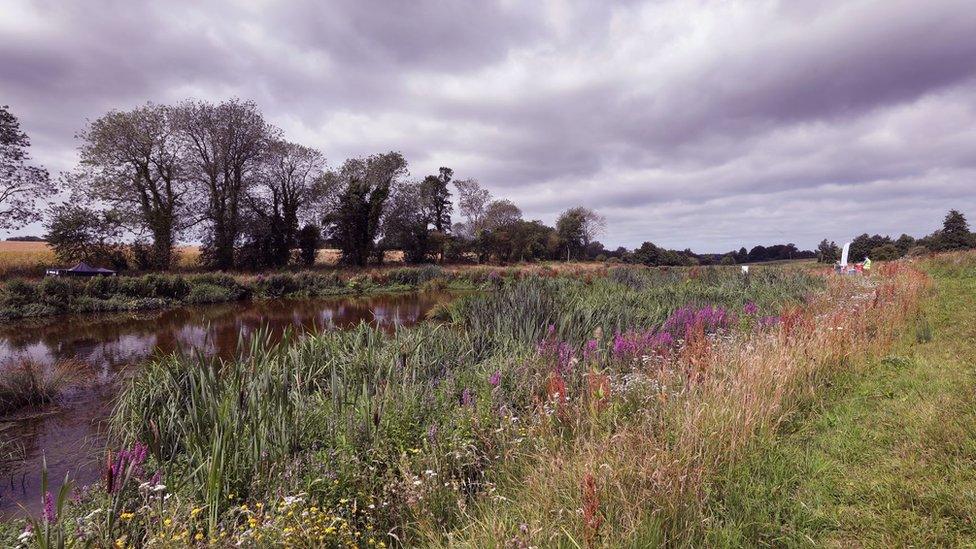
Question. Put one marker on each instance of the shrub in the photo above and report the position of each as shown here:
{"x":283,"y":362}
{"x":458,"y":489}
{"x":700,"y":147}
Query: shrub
{"x":18,"y":293}
{"x":57,"y":292}
{"x":102,"y":287}
{"x":413,"y":276}
{"x":276,"y":285}
{"x":167,"y":286}
{"x":206,"y":292}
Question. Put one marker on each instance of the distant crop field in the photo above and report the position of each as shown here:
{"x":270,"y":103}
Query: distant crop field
{"x":32,"y":258}
{"x":24,"y":258}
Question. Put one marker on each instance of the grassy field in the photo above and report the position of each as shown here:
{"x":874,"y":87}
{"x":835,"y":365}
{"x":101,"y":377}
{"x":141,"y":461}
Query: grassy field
{"x":628,"y":407}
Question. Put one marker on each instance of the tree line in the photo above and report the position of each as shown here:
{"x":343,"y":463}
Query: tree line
{"x":221,"y":174}
{"x":954,"y":235}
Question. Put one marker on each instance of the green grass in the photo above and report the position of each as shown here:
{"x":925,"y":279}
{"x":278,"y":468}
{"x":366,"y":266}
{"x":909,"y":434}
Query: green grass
{"x":887,"y":458}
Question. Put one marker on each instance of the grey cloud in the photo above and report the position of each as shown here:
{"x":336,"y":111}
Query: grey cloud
{"x":709,"y":125}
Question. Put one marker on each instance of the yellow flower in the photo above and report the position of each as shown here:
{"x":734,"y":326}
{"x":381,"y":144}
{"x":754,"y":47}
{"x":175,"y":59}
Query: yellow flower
{"x":126,"y":516}
{"x":244,"y":507}
{"x":199,"y":536}
{"x":195,"y":511}
{"x":167,"y":522}
{"x":259,"y":505}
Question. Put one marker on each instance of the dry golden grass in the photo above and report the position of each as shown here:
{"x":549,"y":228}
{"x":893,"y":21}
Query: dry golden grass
{"x":25,"y":258}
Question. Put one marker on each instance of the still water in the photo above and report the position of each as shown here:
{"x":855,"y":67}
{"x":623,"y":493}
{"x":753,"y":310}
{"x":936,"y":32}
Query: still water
{"x":71,"y":434}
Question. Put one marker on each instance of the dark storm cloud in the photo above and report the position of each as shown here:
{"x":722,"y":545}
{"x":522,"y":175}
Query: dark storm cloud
{"x":702,"y":124}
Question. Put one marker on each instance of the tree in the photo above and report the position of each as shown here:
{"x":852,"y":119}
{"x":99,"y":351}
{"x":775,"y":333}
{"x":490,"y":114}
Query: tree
{"x":728,"y":259}
{"x":955,"y":233}
{"x":473,"y":203}
{"x":757,"y":253}
{"x":828,"y":252}
{"x":284,"y":185}
{"x":22,"y":187}
{"x":309,"y":240}
{"x":357,"y":195}
{"x":885,"y":252}
{"x":80,"y":233}
{"x":905,"y":243}
{"x":226,"y":144}
{"x":406,"y":223}
{"x":435,"y":198}
{"x":862,"y":245}
{"x":134,"y":161}
{"x":577,"y":227}
{"x":647,"y":254}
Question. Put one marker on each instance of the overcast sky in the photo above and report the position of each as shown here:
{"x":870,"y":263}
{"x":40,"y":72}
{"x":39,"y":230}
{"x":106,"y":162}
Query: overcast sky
{"x":697,"y":124}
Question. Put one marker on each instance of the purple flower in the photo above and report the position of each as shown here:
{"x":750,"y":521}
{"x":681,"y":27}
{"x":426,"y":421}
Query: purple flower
{"x":750,"y":308}
{"x":128,"y":460}
{"x":432,"y":432}
{"x":710,"y":318}
{"x":467,"y":399}
{"x":495,"y":379}
{"x":769,"y":321}
{"x":50,"y":515}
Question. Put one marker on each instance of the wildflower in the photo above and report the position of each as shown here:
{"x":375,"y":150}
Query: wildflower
{"x":195,"y":511}
{"x":126,"y":516}
{"x":495,"y":378}
{"x":750,"y":308}
{"x":466,"y":398}
{"x":167,"y":522}
{"x":50,"y":514}
{"x":199,"y":536}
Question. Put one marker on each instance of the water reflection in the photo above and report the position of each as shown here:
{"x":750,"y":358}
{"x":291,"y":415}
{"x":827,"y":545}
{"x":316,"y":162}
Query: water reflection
{"x":71,"y":435}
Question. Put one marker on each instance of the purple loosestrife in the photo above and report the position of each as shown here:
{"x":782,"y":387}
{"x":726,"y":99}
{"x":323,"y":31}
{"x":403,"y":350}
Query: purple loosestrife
{"x":750,"y":308}
{"x":558,"y":353}
{"x":50,"y":514}
{"x":131,"y":460}
{"x":632,"y":344}
{"x":467,"y":399}
{"x":495,"y":379}
{"x":711,"y":319}
{"x":591,"y":351}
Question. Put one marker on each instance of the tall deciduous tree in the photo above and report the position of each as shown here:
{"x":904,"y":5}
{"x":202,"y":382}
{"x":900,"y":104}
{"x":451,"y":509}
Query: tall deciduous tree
{"x":577,"y":227}
{"x":135,"y":162}
{"x":473,"y":202}
{"x":357,"y":195}
{"x":283,"y":187}
{"x":435,"y":197}
{"x":23,"y":187}
{"x":227,"y":142}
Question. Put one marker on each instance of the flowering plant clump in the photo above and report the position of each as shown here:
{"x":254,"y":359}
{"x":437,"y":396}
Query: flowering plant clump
{"x":710,"y":318}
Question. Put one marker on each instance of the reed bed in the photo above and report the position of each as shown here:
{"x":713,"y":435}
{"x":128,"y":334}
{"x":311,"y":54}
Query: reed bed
{"x":585,"y":409}
{"x":26,"y":383}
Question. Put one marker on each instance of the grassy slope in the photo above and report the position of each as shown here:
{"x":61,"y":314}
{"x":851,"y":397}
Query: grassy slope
{"x":886,"y":459}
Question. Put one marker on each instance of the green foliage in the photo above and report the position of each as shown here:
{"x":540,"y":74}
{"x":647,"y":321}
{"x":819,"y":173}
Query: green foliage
{"x":886,"y":252}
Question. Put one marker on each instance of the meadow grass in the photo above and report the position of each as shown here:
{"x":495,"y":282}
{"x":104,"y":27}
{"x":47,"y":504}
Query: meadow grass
{"x":885,"y":458}
{"x":555,"y":409}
